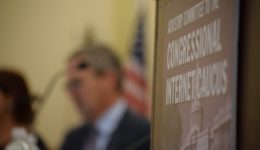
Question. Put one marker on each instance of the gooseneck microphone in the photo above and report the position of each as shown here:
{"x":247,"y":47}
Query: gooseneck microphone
{"x":39,"y":101}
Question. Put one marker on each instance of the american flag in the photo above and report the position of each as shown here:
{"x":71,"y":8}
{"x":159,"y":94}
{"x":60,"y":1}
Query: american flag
{"x":135,"y":86}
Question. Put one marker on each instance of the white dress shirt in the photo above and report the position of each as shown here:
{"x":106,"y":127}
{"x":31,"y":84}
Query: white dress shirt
{"x":108,"y":123}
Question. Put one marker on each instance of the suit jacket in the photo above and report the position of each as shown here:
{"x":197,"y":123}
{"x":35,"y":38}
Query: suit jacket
{"x":133,"y":133}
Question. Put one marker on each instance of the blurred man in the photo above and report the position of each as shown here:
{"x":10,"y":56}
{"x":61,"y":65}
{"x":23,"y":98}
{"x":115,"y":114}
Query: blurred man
{"x":95,"y":84}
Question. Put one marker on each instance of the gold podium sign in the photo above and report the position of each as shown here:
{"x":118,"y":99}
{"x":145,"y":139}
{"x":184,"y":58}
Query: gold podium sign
{"x":195,"y":75}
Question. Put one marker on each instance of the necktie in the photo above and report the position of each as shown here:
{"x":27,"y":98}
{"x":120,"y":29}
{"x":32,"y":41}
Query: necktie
{"x":91,"y":140}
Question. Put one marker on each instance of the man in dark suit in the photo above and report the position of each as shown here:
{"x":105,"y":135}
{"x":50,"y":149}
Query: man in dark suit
{"x":95,"y":84}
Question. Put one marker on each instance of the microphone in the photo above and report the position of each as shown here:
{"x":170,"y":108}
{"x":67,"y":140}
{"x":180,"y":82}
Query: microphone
{"x":40,"y":100}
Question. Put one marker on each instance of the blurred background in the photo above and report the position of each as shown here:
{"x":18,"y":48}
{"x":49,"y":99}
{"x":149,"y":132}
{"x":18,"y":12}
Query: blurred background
{"x":37,"y":36}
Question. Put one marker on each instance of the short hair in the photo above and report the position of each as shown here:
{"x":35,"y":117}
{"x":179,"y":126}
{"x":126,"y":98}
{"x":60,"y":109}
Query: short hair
{"x":14,"y":85}
{"x":100,"y":58}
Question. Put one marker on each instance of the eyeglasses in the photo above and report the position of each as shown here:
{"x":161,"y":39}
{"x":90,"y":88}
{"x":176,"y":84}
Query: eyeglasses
{"x":82,"y":65}
{"x":75,"y":84}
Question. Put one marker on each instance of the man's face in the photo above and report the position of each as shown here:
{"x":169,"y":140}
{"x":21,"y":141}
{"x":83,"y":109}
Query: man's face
{"x":85,"y":87}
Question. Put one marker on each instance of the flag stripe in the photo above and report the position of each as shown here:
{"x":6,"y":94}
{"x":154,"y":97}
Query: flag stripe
{"x":135,"y":104}
{"x":135,"y":87}
{"x":131,"y":75}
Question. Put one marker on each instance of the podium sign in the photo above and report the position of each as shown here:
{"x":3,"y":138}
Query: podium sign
{"x":195,"y":75}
